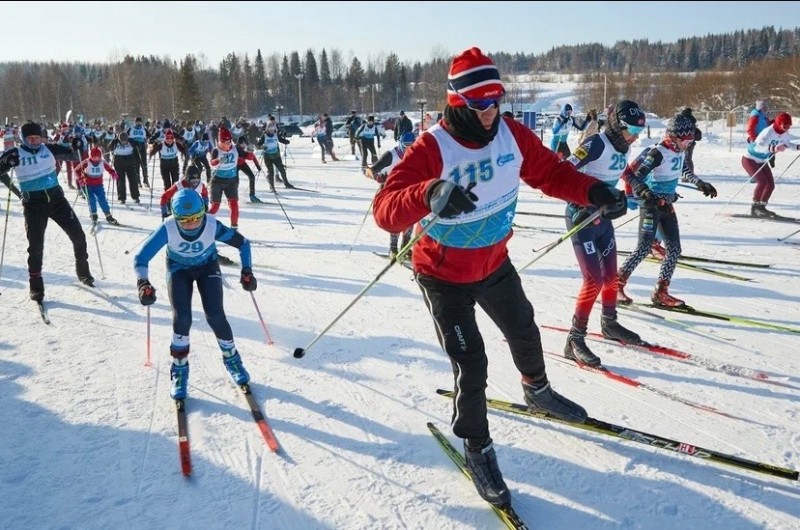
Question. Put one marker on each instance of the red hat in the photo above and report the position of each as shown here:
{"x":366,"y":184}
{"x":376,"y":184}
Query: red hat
{"x":474,"y":76}
{"x":224,"y":135}
{"x":783,"y":122}
{"x":169,"y":135}
{"x":96,"y":152}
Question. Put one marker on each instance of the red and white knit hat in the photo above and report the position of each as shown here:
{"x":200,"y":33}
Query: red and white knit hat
{"x":474,"y":76}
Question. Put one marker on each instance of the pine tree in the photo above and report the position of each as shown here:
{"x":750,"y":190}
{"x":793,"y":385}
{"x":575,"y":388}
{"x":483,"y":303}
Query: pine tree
{"x":260,"y":84}
{"x":189,"y":94}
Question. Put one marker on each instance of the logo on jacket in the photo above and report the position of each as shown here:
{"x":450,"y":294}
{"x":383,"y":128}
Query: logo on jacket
{"x":504,"y":159}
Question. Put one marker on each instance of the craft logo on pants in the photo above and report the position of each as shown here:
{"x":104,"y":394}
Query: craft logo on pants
{"x":588,"y":247}
{"x":461,"y":340}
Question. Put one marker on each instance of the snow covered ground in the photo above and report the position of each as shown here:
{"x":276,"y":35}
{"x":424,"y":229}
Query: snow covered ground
{"x":89,"y":438}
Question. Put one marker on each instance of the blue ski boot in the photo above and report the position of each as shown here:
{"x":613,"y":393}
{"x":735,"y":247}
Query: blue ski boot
{"x":179,"y":374}
{"x":233,"y":362}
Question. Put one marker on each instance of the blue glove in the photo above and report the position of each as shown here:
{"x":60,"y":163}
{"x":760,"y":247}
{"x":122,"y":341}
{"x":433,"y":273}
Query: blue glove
{"x":632,"y":203}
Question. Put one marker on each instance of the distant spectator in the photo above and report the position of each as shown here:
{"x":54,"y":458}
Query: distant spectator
{"x":402,"y":125}
{"x":353,"y":122}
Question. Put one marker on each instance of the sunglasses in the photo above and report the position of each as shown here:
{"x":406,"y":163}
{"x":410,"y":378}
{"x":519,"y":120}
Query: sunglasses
{"x":189,"y":219}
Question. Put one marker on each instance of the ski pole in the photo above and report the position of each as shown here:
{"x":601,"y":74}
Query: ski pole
{"x":787,"y":168}
{"x":748,"y":181}
{"x":137,"y":244}
{"x":589,"y":220}
{"x":362,"y":224}
{"x":261,"y":319}
{"x":300,"y":352}
{"x":779,"y":239}
{"x":283,"y":210}
{"x":5,"y":230}
{"x":147,"y":362}
{"x":99,"y":257}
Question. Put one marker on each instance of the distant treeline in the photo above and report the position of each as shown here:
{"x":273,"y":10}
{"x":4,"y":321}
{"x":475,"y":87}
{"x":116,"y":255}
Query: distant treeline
{"x":725,"y":71}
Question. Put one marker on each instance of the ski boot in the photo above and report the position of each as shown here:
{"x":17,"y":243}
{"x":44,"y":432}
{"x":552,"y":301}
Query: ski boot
{"x":541,"y":398}
{"x":576,"y":349}
{"x":613,"y":330}
{"x":255,"y":199}
{"x":759,"y":210}
{"x":481,"y":461}
{"x":661,"y":296}
{"x":94,"y":220}
{"x":36,"y":284}
{"x":179,"y":375}
{"x":110,"y":220}
{"x":233,"y":362}
{"x":622,"y":297}
{"x":288,"y":185}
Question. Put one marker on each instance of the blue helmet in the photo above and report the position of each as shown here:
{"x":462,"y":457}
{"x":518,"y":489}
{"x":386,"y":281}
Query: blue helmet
{"x":407,"y":139}
{"x":185,"y":204}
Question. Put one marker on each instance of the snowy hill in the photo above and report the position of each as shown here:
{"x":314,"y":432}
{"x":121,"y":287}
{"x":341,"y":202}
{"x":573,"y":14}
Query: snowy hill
{"x":89,"y":437}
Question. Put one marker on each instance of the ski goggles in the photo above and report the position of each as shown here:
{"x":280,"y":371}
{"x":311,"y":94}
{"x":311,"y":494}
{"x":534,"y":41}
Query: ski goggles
{"x":478,"y":105}
{"x":189,"y":219}
{"x":633,"y":129}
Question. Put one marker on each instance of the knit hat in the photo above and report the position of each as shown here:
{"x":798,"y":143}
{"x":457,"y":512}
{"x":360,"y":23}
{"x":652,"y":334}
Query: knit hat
{"x":31,"y":129}
{"x":224,"y":135}
{"x":96,"y":152}
{"x":474,"y":76}
{"x":169,"y":135}
{"x":760,"y":104}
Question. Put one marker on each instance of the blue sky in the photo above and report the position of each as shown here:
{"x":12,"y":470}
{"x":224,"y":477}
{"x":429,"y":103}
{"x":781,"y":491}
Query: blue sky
{"x":412,"y":30}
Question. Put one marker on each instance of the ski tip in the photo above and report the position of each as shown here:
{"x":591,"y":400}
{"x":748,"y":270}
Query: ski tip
{"x":442,"y":392}
{"x":299,"y":353}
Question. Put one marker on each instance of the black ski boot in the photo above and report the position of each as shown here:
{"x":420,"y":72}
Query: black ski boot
{"x":482,"y":464}
{"x":37,"y":288}
{"x":615,"y":331}
{"x":541,"y":398}
{"x":576,"y":348}
{"x":84,"y":276}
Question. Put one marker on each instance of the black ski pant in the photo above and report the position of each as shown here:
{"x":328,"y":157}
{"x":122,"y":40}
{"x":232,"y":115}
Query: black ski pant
{"x":140,"y":152}
{"x":38,"y":208}
{"x":209,"y":285}
{"x":272,"y":163}
{"x":368,"y":145}
{"x":452,"y":307}
{"x":202,"y":161}
{"x":249,"y":172}
{"x":170,"y":172}
{"x":126,"y":167}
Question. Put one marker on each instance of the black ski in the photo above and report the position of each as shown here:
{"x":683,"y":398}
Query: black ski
{"x":260,"y":419}
{"x":653,"y":440}
{"x":183,"y":439}
{"x":539,"y":214}
{"x":777,"y":218}
{"x":298,"y":188}
{"x":507,"y":513}
{"x":43,"y":312}
{"x":683,"y":257}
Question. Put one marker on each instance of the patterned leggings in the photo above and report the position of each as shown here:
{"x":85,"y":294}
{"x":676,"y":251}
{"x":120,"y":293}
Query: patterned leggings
{"x":651,"y":219}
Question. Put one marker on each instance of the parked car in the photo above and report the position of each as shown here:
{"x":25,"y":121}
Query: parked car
{"x":339,"y":130}
{"x":290,"y":130}
{"x":388,"y":123}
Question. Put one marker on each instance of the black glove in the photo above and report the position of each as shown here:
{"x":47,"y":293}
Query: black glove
{"x":9,"y":160}
{"x":76,"y":144}
{"x":448,"y":199}
{"x":147,"y":293}
{"x":707,"y":189}
{"x":248,"y":281}
{"x":645,"y":194}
